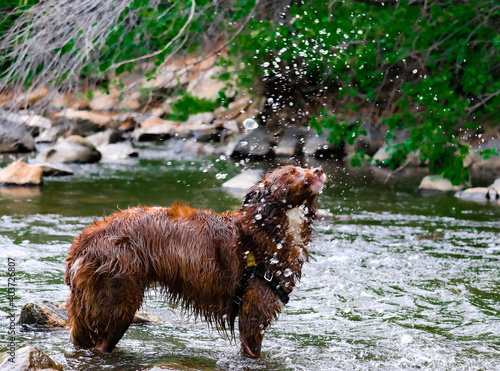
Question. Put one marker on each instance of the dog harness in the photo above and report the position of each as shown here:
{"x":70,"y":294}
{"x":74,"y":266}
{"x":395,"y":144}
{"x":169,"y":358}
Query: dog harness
{"x":252,"y":270}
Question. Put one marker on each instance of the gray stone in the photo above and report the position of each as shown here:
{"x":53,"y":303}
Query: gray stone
{"x":25,"y":118}
{"x":58,"y":129}
{"x":242,"y":182}
{"x":95,"y":117}
{"x":27,"y":359}
{"x":436,"y":183}
{"x":291,"y":142}
{"x":215,"y":135}
{"x":474,"y":194}
{"x":73,"y":149}
{"x":53,"y":170}
{"x":200,"y":120}
{"x":372,"y":140}
{"x":44,"y":314}
{"x":256,"y":144}
{"x":19,"y":173}
{"x":116,"y":152}
{"x":206,"y":85}
{"x":155,"y":133}
{"x":384,"y":153}
{"x":486,"y":169}
{"x":15,"y":137}
{"x":316,"y":145}
{"x":85,"y":127}
{"x":108,"y":136}
{"x":51,"y":134}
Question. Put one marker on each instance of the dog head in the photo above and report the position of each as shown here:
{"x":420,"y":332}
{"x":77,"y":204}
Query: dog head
{"x":289,"y":185}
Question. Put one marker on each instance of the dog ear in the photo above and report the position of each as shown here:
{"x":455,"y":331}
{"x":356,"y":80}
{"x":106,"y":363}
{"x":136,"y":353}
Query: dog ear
{"x":256,"y":193}
{"x":253,"y":195}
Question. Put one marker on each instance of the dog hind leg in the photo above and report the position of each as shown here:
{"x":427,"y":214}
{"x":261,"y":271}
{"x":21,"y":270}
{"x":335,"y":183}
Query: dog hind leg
{"x":122,"y":298}
{"x":101,"y":312}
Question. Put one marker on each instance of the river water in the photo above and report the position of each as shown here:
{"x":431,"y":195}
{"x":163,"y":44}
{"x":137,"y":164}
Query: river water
{"x":396,"y":280}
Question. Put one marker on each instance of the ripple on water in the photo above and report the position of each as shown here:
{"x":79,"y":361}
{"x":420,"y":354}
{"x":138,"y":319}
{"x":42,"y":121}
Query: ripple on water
{"x":381,"y":291}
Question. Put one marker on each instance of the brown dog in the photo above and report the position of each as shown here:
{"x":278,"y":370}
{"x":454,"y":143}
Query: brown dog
{"x":218,"y":266}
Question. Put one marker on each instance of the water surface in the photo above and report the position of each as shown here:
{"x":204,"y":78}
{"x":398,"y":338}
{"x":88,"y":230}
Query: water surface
{"x":396,"y":281}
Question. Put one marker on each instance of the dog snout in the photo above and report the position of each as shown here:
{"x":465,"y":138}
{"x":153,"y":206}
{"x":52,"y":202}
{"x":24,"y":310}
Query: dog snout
{"x":318,"y":171}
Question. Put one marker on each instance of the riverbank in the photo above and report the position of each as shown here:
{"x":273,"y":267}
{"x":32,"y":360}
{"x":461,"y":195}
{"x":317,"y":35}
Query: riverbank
{"x":112,"y":127}
{"x":393,"y":280}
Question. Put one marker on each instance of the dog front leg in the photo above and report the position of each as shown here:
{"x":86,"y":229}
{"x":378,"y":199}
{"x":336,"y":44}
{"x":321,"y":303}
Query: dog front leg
{"x":259,"y":306}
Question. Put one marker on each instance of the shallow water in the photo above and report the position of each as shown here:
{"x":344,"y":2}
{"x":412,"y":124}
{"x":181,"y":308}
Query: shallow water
{"x":397,"y":281}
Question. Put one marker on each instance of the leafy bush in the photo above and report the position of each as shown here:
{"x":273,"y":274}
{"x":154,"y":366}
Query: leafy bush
{"x":431,"y":67}
{"x":188,"y":105}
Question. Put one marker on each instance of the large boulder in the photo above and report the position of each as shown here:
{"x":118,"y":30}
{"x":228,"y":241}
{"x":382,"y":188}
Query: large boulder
{"x":486,"y":169}
{"x":53,"y":170}
{"x":480,"y":194}
{"x":73,"y":149}
{"x":44,"y":314}
{"x":84,"y":128}
{"x":436,"y":183}
{"x":116,"y":152}
{"x":384,"y":153}
{"x":50,"y":135}
{"x":494,"y":190}
{"x":102,"y":119}
{"x":291,"y":142}
{"x":154,"y":129}
{"x":27,"y":359}
{"x":206,"y":85}
{"x":35,"y":123}
{"x":318,"y":146}
{"x":242,"y":182}
{"x":102,"y":138}
{"x":374,"y":138}
{"x":256,"y":144}
{"x":15,"y":137}
{"x":19,"y":173}
{"x":195,"y":125}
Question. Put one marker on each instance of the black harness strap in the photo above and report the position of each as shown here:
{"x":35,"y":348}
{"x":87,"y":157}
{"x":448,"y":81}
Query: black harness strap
{"x":267,"y":277}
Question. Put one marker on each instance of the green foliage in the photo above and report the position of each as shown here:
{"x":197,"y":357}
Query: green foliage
{"x":188,"y":105}
{"x":434,"y":71}
{"x":432,"y":68}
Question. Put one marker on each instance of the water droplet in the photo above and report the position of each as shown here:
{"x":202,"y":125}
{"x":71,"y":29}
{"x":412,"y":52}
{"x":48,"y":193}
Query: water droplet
{"x":250,"y":124}
{"x":258,"y":217}
{"x":220,"y":176}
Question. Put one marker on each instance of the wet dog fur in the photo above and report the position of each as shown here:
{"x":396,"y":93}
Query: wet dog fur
{"x":196,"y":257}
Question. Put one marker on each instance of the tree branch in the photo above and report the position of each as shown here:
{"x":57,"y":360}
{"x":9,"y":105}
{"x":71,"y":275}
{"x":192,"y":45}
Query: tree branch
{"x":181,"y":31}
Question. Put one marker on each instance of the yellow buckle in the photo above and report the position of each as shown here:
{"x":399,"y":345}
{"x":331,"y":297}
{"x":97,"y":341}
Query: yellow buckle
{"x":250,"y":259}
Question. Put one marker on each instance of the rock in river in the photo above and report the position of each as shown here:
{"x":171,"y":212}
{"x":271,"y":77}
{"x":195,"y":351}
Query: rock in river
{"x":44,"y":314}
{"x":19,"y":173}
{"x":27,"y":359}
{"x":71,"y":149}
{"x":436,"y":183}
